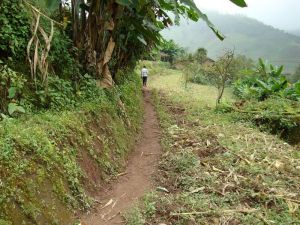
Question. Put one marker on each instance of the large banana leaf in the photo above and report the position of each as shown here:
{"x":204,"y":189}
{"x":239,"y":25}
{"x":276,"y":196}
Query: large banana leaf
{"x":204,"y":17}
{"x":264,"y":85}
{"x":279,"y":71}
{"x":51,"y":4}
{"x":240,"y":3}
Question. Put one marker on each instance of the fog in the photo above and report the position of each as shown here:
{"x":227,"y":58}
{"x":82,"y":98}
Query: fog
{"x":282,"y":14}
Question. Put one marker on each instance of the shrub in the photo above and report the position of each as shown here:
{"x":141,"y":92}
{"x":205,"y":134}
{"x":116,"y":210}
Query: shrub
{"x":14,"y":29}
{"x":293,"y":92}
{"x":61,"y":57}
{"x":264,"y":82}
{"x":275,"y":114}
{"x":11,"y":90}
{"x":63,"y":93}
{"x":197,"y":73}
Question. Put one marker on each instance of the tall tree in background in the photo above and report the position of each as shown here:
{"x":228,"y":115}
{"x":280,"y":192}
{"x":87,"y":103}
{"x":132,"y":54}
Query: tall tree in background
{"x":170,"y":50}
{"x":200,"y":55}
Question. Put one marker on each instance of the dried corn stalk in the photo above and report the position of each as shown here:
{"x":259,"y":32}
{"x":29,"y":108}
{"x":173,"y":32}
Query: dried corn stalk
{"x":38,"y":57}
{"x":107,"y":80}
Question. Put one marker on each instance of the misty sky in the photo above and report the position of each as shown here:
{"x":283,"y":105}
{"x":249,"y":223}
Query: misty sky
{"x":282,"y":14}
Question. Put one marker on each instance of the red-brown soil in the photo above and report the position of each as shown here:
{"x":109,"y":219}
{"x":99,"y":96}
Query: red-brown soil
{"x":137,"y":178}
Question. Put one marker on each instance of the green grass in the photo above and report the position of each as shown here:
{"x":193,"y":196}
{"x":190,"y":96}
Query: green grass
{"x":217,"y":168}
{"x":192,"y":95}
{"x":47,"y":160}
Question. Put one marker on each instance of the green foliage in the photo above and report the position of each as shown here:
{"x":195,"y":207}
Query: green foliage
{"x":62,"y":93}
{"x":240,"y":3}
{"x":14,"y":108}
{"x":11,"y":90}
{"x":86,"y":88}
{"x":270,"y":99}
{"x":240,"y":66}
{"x":265,"y":82}
{"x":200,"y":69}
{"x":197,"y":73}
{"x":181,"y":7}
{"x":170,"y":51}
{"x":229,"y":155}
{"x":58,"y":95}
{"x":134,"y":217}
{"x":145,"y":25}
{"x":248,"y":36}
{"x":146,"y":209}
{"x":61,"y":57}
{"x":200,"y":55}
{"x":135,"y":34}
{"x":4,"y":222}
{"x":46,"y":151}
{"x":293,"y":92}
{"x":14,"y":29}
{"x":275,"y":114}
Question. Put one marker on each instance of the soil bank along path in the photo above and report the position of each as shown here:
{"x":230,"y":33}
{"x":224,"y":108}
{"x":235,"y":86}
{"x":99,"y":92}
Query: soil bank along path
{"x":142,"y":164}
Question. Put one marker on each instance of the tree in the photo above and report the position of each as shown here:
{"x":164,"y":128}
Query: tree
{"x":200,"y":55}
{"x":221,"y":72}
{"x":122,"y":31}
{"x":170,"y":50}
{"x":241,"y":64}
{"x":108,"y":35}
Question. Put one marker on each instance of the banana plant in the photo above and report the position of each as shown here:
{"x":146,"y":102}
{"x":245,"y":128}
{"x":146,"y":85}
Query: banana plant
{"x":293,"y":91}
{"x":123,"y":30}
{"x":178,"y":7}
{"x":267,"y":81}
{"x":272,"y":86}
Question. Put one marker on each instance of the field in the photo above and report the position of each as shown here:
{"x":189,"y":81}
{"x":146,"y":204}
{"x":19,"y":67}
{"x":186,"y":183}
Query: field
{"x":216,"y":168}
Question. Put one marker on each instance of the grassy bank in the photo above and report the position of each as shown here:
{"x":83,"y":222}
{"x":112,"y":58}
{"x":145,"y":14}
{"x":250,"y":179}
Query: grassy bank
{"x":217,"y":169}
{"x":52,"y":163}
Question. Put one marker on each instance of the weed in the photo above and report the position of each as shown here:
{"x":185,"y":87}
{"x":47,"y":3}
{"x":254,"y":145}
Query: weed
{"x":134,"y":217}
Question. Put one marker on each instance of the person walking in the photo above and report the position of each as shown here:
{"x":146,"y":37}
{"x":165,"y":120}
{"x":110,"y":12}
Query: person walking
{"x":144,"y":75}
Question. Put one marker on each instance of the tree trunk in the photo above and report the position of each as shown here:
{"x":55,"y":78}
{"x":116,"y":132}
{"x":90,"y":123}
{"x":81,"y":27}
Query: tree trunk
{"x":220,"y":93}
{"x":99,"y":42}
{"x":83,"y":22}
{"x":75,"y":22}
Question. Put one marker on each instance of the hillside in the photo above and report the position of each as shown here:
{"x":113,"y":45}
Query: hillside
{"x":53,"y":163}
{"x":295,"y":32}
{"x":247,"y":36}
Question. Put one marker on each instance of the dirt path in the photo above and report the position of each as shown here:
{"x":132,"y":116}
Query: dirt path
{"x":137,"y":177}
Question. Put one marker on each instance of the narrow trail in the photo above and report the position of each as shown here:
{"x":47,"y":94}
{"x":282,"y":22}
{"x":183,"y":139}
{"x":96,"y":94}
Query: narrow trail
{"x":142,"y":164}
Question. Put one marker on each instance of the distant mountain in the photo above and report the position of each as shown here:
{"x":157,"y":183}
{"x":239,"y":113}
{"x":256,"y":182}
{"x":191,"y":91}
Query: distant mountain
{"x":295,"y":32}
{"x":247,"y":36}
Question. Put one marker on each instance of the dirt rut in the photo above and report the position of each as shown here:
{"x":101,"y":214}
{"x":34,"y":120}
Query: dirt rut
{"x":136,"y":180}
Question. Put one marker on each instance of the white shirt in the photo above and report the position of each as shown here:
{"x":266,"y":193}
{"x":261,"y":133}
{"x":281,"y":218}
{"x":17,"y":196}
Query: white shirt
{"x":144,"y":72}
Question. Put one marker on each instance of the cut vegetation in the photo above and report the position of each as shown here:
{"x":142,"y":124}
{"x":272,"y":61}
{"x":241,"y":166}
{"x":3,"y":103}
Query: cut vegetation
{"x":217,"y":169}
{"x":71,"y":113}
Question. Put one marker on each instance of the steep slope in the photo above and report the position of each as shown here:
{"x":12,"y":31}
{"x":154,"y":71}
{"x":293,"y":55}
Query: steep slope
{"x":52,"y":164}
{"x":247,"y":36}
